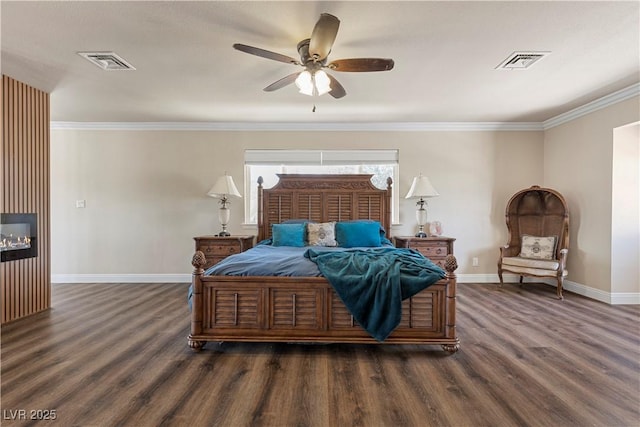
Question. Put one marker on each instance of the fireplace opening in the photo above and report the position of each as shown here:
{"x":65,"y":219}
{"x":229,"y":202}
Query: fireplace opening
{"x":18,"y":236}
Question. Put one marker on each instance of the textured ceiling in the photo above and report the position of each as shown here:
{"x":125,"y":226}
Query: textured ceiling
{"x":445,"y":56}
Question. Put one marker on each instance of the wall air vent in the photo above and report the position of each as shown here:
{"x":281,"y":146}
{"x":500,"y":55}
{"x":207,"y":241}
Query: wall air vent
{"x":521,"y":60}
{"x":107,"y":60}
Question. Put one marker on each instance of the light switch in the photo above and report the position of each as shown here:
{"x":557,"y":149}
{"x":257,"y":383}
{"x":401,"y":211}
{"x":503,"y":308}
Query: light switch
{"x":80,"y":203}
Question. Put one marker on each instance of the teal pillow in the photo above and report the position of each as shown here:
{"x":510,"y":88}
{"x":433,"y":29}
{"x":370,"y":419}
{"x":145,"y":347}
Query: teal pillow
{"x":288,"y":234}
{"x":358,"y":234}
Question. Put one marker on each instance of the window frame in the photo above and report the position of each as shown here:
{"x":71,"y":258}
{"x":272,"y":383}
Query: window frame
{"x":283,"y":159}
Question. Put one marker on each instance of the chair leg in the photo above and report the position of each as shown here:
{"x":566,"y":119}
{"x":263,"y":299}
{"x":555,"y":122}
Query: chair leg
{"x":559,"y":289}
{"x":500,"y":276}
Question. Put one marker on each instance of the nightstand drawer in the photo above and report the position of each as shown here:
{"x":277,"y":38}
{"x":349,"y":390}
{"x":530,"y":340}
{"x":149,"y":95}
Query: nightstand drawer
{"x":431,"y":251}
{"x":219,"y":249}
{"x":438,"y":261}
{"x":436,"y":248}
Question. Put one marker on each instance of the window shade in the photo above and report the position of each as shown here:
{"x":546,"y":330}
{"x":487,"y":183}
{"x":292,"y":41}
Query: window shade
{"x":320,"y":157}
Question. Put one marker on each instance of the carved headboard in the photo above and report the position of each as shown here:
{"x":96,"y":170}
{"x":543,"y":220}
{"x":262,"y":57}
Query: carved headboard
{"x":322,"y":198}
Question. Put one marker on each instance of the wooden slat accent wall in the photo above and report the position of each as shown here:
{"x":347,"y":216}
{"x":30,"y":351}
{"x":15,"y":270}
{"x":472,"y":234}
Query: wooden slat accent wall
{"x":26,"y":283}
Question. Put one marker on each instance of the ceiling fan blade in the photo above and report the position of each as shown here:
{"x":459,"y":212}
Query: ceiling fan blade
{"x":337,"y":91}
{"x":266,"y":54}
{"x":323,"y":36}
{"x":361,"y":64}
{"x":285,"y":81}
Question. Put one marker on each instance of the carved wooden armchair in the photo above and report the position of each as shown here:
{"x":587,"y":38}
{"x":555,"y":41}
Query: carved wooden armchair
{"x":538,"y":223}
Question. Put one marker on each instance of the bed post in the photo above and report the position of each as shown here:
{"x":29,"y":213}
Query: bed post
{"x":198,"y":261}
{"x":387,"y":213}
{"x":261,"y":233}
{"x":450,"y":265}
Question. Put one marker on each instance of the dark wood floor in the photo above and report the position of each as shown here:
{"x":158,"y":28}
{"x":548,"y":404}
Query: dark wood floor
{"x":116,"y":354}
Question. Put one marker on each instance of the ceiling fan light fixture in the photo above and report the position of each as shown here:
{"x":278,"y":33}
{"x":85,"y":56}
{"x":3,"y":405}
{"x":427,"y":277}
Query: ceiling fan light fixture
{"x":304,"y":82}
{"x":322,"y":82}
{"x":310,"y":84}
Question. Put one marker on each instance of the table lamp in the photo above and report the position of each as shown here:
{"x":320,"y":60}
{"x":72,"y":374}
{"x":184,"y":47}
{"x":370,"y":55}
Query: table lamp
{"x":223,"y":188}
{"x":421,"y":188}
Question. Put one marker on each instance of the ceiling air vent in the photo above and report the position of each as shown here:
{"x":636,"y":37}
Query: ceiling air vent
{"x":521,"y":60}
{"x":107,"y":60}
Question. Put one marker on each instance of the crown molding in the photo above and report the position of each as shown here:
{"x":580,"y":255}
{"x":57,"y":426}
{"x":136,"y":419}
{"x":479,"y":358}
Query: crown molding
{"x":598,"y":104}
{"x":301,"y":126}
{"x":605,"y":101}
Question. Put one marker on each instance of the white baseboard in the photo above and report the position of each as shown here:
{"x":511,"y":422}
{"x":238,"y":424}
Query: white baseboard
{"x":597,"y":294}
{"x":577,"y":288}
{"x":629,"y":298}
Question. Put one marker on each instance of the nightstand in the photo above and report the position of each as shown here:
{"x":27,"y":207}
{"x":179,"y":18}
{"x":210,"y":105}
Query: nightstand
{"x":216,"y":248}
{"x":436,"y":248}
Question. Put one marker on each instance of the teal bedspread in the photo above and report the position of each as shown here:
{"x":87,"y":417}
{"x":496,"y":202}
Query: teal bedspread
{"x":373,"y":282}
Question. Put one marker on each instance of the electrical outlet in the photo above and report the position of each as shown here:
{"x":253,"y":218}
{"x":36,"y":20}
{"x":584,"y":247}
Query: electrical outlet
{"x":80,"y":203}
{"x":474,"y":261}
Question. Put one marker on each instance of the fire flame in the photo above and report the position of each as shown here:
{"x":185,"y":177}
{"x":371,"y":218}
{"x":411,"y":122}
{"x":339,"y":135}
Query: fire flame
{"x":11,"y":243}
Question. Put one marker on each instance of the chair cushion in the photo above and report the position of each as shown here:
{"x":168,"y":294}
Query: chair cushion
{"x":532,"y":267}
{"x":538,"y":247}
{"x":531,"y":263}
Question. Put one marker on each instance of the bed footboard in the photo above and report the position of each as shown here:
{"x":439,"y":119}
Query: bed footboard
{"x":306,"y":309}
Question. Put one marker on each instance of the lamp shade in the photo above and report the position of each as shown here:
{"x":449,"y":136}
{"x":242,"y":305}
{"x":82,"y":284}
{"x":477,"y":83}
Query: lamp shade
{"x":316,"y":83}
{"x":304,"y":82}
{"x":421,"y":187}
{"x":224,"y":187}
{"x":323,"y":84}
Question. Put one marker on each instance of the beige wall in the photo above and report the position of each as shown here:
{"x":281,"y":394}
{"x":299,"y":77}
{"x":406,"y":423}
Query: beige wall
{"x":578,"y":162}
{"x":145,"y":190}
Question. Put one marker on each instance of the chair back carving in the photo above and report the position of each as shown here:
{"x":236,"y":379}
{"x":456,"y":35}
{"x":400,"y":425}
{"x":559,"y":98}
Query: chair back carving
{"x":538,"y":211}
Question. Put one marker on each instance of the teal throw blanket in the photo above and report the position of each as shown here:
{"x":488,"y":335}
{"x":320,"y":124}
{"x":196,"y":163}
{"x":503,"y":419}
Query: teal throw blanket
{"x":373,"y":282}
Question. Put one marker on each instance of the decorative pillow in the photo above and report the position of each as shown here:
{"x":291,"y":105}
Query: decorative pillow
{"x":538,"y":247}
{"x":288,"y":234}
{"x":321,"y":234}
{"x":358,"y":234}
{"x":383,"y":235}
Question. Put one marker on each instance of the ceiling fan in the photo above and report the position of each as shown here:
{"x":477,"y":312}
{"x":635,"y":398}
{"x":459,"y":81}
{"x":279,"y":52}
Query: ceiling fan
{"x":313,"y":80}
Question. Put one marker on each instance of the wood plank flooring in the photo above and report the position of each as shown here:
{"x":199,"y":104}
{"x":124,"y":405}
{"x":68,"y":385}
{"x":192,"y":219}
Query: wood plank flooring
{"x":117,"y":355}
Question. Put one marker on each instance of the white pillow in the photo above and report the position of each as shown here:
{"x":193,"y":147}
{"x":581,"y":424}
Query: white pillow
{"x":321,"y":234}
{"x":538,"y":247}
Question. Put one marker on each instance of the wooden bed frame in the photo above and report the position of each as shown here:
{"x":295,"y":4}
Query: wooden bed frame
{"x":306,"y":309}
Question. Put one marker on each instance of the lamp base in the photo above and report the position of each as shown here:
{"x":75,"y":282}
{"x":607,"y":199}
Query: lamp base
{"x":421,"y":234}
{"x":224,"y":234}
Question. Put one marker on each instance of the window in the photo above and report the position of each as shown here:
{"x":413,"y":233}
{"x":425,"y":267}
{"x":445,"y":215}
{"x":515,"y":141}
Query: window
{"x":267,"y":163}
